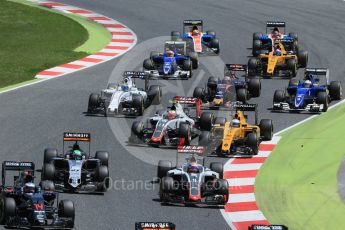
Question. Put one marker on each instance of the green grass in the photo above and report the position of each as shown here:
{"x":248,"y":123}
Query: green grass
{"x":297,"y":185}
{"x":33,"y":39}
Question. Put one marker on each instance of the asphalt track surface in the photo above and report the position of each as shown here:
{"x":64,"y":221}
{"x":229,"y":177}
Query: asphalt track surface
{"x":35,"y":117}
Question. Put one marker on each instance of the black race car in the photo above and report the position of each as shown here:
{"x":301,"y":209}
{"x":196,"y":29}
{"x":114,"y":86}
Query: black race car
{"x":25,"y":205}
{"x":76,"y":171}
{"x":235,"y":86}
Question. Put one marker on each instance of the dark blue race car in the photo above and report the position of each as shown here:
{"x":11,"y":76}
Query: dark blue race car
{"x":26,"y":205}
{"x":313,"y":94}
{"x":197,"y":40}
{"x":173,"y":63}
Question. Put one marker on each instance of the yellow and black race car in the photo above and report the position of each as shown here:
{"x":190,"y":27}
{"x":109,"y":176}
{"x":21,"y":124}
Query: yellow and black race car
{"x":237,"y":137}
{"x":279,"y":61}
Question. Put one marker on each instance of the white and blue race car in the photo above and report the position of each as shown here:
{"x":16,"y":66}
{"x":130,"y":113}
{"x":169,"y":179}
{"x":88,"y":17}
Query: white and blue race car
{"x":125,"y":98}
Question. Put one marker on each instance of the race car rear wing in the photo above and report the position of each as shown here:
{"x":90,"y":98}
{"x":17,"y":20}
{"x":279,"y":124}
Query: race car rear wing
{"x":267,"y":227}
{"x":318,"y":72}
{"x":16,"y":166}
{"x":192,"y":150}
{"x":154,"y":226}
{"x":272,"y":24}
{"x":138,"y":75}
{"x":190,"y":101}
{"x":189,"y":24}
{"x":235,"y":68}
{"x":76,"y":137}
{"x":248,"y":107}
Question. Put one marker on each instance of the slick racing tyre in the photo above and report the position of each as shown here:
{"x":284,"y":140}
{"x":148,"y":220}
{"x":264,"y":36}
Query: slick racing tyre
{"x":48,"y":172}
{"x":335,"y":90}
{"x":302,"y":57}
{"x":241,"y":95}
{"x":66,"y":209}
{"x":322,"y":99}
{"x":155,"y":94}
{"x":214,"y":44}
{"x":257,"y":45}
{"x":222,"y":187}
{"x":103,"y":157}
{"x":266,"y":129}
{"x":184,"y":131}
{"x":199,"y":93}
{"x":49,"y":154}
{"x":194,"y":59}
{"x":220,"y":121}
{"x":94,"y":102}
{"x":137,"y":128}
{"x":138,"y":103}
{"x":279,"y":96}
{"x":291,"y":65}
{"x":7,"y":208}
{"x":253,"y":142}
{"x":254,"y":87}
{"x":206,"y":121}
{"x":148,"y":64}
{"x":218,"y":168}
{"x":210,"y":32}
{"x":204,"y":138}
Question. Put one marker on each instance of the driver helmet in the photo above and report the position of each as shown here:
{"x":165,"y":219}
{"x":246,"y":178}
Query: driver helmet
{"x":235,"y":123}
{"x":76,"y":154}
{"x":195,"y":31}
{"x":193,"y":168}
{"x":76,"y":146}
{"x":171,"y":115}
{"x":307,"y":84}
{"x":29,"y":188}
{"x":124,"y":85}
{"x":170,"y":53}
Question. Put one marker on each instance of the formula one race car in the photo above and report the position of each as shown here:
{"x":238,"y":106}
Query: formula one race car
{"x":281,"y":61}
{"x":197,"y":40}
{"x":312,"y":95}
{"x":220,"y":94}
{"x":237,"y":137}
{"x":26,"y":205}
{"x":125,"y":98}
{"x":76,"y":171}
{"x":174,"y":63}
{"x":192,"y":183}
{"x":264,"y":42}
{"x":173,"y":127}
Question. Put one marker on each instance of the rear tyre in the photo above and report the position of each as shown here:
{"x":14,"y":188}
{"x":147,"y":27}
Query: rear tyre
{"x":322,"y":99}
{"x":335,"y":90}
{"x":185,"y":132}
{"x":49,"y":154}
{"x":253,"y":142}
{"x":148,"y":64}
{"x":218,"y":168}
{"x":253,"y":66}
{"x":138,"y":128}
{"x":163,"y":168}
{"x":215,"y":45}
{"x":94,"y":102}
{"x":199,"y":93}
{"x":103,"y":157}
{"x":167,"y":185}
{"x":204,"y":138}
{"x":266,"y":129}
{"x":302,"y":58}
{"x":138,"y":103}
{"x":175,"y":35}
{"x":194,"y":59}
{"x":254,"y":87}
{"x":257,"y":44}
{"x":102,"y":173}
{"x":206,"y":121}
{"x":155,"y":94}
{"x":222,"y":187}
{"x":293,"y":35}
{"x":48,"y":172}
{"x":291,"y":65}
{"x":241,"y":95}
{"x":257,"y":36}
{"x":210,"y":32}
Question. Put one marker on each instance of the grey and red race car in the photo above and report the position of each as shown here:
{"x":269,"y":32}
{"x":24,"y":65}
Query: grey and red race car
{"x":26,"y":205}
{"x":76,"y":170}
{"x":192,"y":183}
{"x":235,"y":86}
{"x":173,"y":127}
